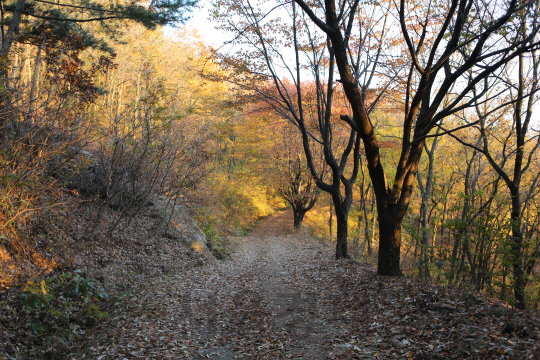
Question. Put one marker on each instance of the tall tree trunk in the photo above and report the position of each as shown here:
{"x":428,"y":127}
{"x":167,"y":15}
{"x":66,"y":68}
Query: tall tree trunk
{"x":517,"y":251}
{"x":119,"y":103}
{"x":342,"y":232}
{"x":424,"y":254}
{"x":5,"y":100}
{"x":367,"y":235}
{"x":330,"y":219}
{"x":363,"y":199}
{"x":138,"y":94}
{"x":298,"y":218}
{"x":389,"y":244}
{"x":15,"y":66}
{"x":7,"y":41}
{"x":521,"y":128}
{"x":373,"y":222}
{"x":35,"y":81}
{"x":391,"y":211}
{"x":12,"y":30}
{"x":25,"y":65}
{"x":425,"y":192}
{"x":356,"y":240}
{"x":461,"y":232}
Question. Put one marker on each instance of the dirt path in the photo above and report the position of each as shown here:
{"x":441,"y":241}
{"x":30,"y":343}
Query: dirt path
{"x":260,"y":304}
{"x":283,"y":296}
{"x":274,"y":310}
{"x":289,"y":294}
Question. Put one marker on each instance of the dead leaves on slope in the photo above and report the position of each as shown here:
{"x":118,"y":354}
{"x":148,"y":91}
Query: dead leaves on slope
{"x":285,"y":297}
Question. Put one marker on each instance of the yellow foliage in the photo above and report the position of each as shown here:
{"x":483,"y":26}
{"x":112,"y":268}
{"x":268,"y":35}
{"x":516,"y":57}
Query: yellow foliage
{"x":317,"y":222}
{"x":243,"y":205}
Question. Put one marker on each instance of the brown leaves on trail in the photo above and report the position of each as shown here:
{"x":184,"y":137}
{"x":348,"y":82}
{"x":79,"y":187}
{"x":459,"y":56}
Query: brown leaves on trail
{"x":74,"y":238}
{"x":400,"y":318}
{"x":282,"y":296}
{"x":285,"y":297}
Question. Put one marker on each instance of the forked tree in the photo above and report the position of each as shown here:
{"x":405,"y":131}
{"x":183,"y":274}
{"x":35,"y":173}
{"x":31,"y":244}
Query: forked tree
{"x":294,"y":179}
{"x":289,"y":46}
{"x":444,"y":42}
{"x":511,"y":126}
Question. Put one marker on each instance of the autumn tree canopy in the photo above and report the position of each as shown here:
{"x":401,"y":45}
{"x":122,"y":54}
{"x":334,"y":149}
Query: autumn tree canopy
{"x":443,"y":60}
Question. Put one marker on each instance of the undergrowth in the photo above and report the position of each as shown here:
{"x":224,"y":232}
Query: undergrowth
{"x":236,"y":210}
{"x":51,"y":317}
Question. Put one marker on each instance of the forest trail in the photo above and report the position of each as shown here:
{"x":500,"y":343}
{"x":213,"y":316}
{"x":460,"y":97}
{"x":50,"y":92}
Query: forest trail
{"x":283,"y":296}
{"x":260,"y":304}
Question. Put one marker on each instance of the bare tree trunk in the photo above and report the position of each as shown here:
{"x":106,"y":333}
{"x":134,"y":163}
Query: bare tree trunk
{"x":138,"y":94}
{"x":330,"y":219}
{"x":363,"y":194}
{"x":298,"y":219}
{"x":461,"y":232}
{"x":25,"y":66}
{"x":15,"y":66}
{"x":7,"y":40}
{"x":35,"y":81}
{"x":373,"y":221}
{"x":356,"y":240}
{"x":425,"y":192}
{"x":367,"y":232}
{"x":342,"y":233}
{"x":13,"y":27}
{"x":119,"y":103}
{"x":390,"y":244}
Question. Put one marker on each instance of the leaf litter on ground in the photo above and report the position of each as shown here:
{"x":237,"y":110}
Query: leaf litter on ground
{"x":283,"y":296}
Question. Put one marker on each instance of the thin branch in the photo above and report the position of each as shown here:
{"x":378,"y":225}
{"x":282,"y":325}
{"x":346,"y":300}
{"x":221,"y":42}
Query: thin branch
{"x":78,"y":7}
{"x":321,"y":24}
{"x":349,"y":121}
{"x":446,"y":131}
{"x":465,"y":143}
{"x":74,"y":20}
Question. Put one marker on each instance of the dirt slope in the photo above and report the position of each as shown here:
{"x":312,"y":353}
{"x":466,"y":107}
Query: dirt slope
{"x":283,"y":296}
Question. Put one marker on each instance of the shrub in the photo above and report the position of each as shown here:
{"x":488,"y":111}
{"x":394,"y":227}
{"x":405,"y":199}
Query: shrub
{"x":50,"y":316}
{"x":145,"y":151}
{"x":41,"y":129}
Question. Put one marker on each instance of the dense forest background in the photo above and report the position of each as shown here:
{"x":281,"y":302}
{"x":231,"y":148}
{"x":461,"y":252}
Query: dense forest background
{"x":106,"y":108}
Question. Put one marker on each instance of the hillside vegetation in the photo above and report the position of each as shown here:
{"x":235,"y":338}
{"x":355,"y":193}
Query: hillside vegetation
{"x":403,"y":136}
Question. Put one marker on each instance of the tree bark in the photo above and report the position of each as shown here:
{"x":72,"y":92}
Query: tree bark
{"x":13,"y":27}
{"x":363,"y":199}
{"x":390,"y":244}
{"x":342,"y":232}
{"x":298,"y":219}
{"x":371,"y":235}
{"x":461,"y":231}
{"x":35,"y":81}
{"x":7,"y":41}
{"x":330,"y":219}
{"x":517,"y":251}
{"x":25,"y":66}
{"x":425,"y":192}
